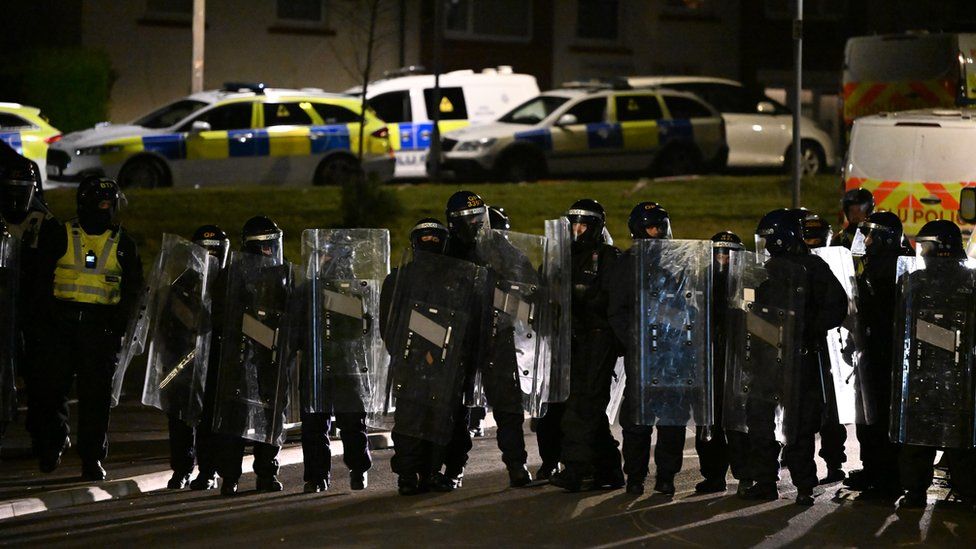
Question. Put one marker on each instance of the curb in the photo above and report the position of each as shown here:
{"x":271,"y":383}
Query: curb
{"x":147,"y":482}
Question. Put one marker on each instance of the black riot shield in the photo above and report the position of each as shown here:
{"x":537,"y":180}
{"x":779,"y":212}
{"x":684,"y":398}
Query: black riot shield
{"x":764,"y":329}
{"x":932,"y":400}
{"x":852,"y":399}
{"x":514,"y":373}
{"x":558,"y":275}
{"x":9,"y":282}
{"x":345,"y":364}
{"x":257,"y":349}
{"x":671,"y":350}
{"x":437,"y":305}
{"x":180,"y":329}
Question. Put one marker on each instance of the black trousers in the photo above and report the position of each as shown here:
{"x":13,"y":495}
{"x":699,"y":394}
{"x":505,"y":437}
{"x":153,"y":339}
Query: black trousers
{"x":416,"y":456}
{"x":230,"y":456}
{"x":191,"y":445}
{"x":505,"y":397}
{"x":916,"y":467}
{"x":723,"y":450}
{"x":315,"y":443}
{"x":833,"y":437}
{"x":79,"y":346}
{"x":761,"y":445}
{"x":548,"y":431}
{"x":588,"y":446}
{"x":799,"y":451}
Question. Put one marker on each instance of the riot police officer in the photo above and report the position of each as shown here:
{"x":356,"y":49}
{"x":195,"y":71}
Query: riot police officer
{"x":935,"y":370}
{"x":24,"y":216}
{"x":189,"y":444}
{"x":879,"y":244}
{"x":91,"y":272}
{"x":833,"y":435}
{"x":647,"y":220}
{"x":780,"y":233}
{"x":467,"y":221}
{"x":857,"y":204}
{"x":719,"y":449}
{"x":588,"y":449}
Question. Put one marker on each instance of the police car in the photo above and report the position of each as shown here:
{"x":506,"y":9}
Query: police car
{"x":27,"y":131}
{"x":243,"y":133}
{"x":592,"y":128}
{"x":405,"y":99}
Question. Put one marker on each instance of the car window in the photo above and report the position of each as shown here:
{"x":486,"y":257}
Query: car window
{"x":534,"y":110}
{"x":590,"y":111}
{"x":334,"y":114}
{"x":285,"y":114}
{"x":452,"y":106}
{"x":12,"y":122}
{"x":392,"y":107}
{"x":637,"y":107}
{"x":684,"y":107}
{"x":170,"y":114}
{"x":236,"y":116}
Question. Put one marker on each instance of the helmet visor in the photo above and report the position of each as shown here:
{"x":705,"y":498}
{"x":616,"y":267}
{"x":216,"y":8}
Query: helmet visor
{"x":16,"y":196}
{"x":268,"y":245}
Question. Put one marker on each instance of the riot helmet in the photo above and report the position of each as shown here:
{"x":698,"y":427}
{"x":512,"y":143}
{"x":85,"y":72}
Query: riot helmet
{"x":780,"y":232}
{"x":722,"y":244}
{"x":816,"y":231}
{"x":467,"y":216}
{"x":880,"y":231}
{"x":940,"y":238}
{"x":498,"y":219}
{"x":262,"y":236}
{"x":215,"y":240}
{"x":20,"y":185}
{"x":99,"y":199}
{"x":649,"y":220}
{"x":857,"y":204}
{"x":587,"y":222}
{"x":429,"y":235}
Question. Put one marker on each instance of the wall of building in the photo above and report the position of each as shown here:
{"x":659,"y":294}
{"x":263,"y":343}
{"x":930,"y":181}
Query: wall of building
{"x":244,"y":42}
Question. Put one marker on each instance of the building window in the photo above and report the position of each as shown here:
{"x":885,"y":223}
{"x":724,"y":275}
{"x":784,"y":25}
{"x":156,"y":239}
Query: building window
{"x":692,"y":9}
{"x":169,"y":8}
{"x":597,"y":19}
{"x":812,"y":9}
{"x":501,"y":20}
{"x":301,"y":12}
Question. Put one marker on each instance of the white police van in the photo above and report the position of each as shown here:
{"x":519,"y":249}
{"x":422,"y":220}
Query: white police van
{"x":405,"y":100}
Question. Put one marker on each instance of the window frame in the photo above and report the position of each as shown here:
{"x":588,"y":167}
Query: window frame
{"x":161,"y":15}
{"x":595,"y":40}
{"x":469,"y":34}
{"x":322,"y":23}
{"x":187,"y":125}
{"x":271,"y":105}
{"x":651,"y":96}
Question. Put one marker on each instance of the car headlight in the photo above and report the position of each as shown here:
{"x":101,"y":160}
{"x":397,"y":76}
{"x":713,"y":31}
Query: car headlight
{"x":475,"y":146}
{"x":99,"y":149}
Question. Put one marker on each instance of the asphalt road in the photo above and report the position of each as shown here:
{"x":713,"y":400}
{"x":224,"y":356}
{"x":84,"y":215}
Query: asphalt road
{"x":487,"y":513}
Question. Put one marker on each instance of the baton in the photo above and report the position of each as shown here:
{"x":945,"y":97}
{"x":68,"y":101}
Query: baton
{"x":176,"y":371}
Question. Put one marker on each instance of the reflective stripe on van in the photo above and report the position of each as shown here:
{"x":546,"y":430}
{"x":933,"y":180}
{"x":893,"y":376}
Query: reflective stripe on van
{"x":915,"y":202}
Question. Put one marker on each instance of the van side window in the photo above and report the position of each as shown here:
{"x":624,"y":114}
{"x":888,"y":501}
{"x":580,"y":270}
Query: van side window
{"x":590,"y":111}
{"x":638,"y":107}
{"x":392,"y":107}
{"x":285,"y":114}
{"x":452,"y":106}
{"x":236,"y":116}
{"x":683,"y":107}
{"x":334,"y":114}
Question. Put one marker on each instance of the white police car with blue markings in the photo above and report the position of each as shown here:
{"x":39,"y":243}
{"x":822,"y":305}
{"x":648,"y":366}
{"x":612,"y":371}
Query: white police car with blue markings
{"x":591,"y":128}
{"x":244,"y":133}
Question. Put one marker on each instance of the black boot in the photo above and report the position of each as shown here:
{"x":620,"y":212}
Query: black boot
{"x":358,"y":480}
{"x":204,"y":481}
{"x":804,"y":496}
{"x":410,"y":485}
{"x":268,"y":484}
{"x":761,"y":491}
{"x":546,"y":471}
{"x":92,"y":470}
{"x":178,"y":481}
{"x":711,"y":486}
{"x":228,"y":487}
{"x":664,"y":486}
{"x":316,"y":486}
{"x":519,"y":477}
{"x":568,"y":479}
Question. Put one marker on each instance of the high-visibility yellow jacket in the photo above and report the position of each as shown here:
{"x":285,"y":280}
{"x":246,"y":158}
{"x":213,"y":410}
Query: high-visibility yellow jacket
{"x":89,"y":271}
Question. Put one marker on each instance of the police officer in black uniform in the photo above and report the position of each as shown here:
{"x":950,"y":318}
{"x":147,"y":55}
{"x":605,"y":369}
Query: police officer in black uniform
{"x":719,"y":449}
{"x":588,"y":449}
{"x":195,"y":444}
{"x":857,"y":204}
{"x":24,"y":215}
{"x":833,"y":435}
{"x":825,"y":307}
{"x":647,"y":220}
{"x":91,"y":274}
{"x":466,"y":218}
{"x":881,"y":236}
{"x":940,"y":284}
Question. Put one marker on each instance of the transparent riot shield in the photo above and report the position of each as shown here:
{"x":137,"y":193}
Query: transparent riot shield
{"x":180,"y":329}
{"x":764,"y":330}
{"x":617,"y":385}
{"x":514,"y":373}
{"x":672,"y":343}
{"x":932,"y":400}
{"x":9,"y":282}
{"x":558,"y":274}
{"x":137,"y":330}
{"x":435,"y":307}
{"x":852,"y":399}
{"x":257,"y":349}
{"x":344,"y":269}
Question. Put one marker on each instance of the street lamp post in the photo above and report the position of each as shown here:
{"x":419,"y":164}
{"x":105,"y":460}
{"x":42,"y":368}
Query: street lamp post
{"x":196,"y":71}
{"x":797,"y":99}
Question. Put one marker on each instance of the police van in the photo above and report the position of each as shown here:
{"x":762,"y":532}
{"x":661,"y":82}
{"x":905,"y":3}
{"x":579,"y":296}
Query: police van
{"x":405,"y":100}
{"x":914,"y":162}
{"x":243,"y":133}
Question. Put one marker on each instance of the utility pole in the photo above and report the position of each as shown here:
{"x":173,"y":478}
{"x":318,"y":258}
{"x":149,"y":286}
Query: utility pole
{"x":199,"y":23}
{"x":797,"y":99}
{"x":434,"y":154}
